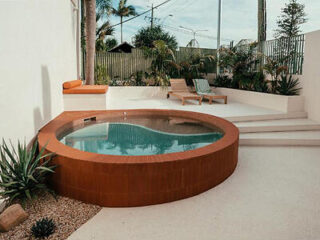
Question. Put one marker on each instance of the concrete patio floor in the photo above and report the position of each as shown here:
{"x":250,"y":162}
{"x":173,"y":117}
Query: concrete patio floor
{"x":232,"y":109}
{"x":273,"y":194}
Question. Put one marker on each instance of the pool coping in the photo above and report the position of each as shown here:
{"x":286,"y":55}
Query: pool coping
{"x":48,"y":136}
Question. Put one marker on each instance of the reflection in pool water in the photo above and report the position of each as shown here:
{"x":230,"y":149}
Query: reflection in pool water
{"x":135,"y":140}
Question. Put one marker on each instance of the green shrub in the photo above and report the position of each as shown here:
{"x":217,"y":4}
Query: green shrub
{"x":189,"y":71}
{"x":147,"y":35}
{"x":288,"y":86}
{"x":259,"y":83}
{"x":101,"y":76}
{"x":254,"y":81}
{"x":23,"y":172}
{"x":222,"y":81}
{"x":137,"y":78}
{"x":43,"y":228}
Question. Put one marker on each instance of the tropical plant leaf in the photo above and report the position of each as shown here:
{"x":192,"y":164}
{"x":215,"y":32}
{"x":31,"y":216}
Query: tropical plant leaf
{"x":288,"y":86}
{"x":23,"y":171}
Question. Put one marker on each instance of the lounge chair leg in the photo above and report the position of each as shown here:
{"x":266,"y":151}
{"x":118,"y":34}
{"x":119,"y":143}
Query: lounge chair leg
{"x":200,"y":101}
{"x":210,"y":100}
{"x":226,"y":100}
{"x":183,"y":102}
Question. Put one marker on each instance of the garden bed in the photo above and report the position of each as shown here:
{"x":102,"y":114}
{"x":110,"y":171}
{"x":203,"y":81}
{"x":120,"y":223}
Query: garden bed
{"x":68,"y":215}
{"x":266,"y":100}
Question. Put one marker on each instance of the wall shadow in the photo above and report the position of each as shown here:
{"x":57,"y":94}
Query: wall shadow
{"x":74,"y":20}
{"x":43,"y":114}
{"x":46,"y":94}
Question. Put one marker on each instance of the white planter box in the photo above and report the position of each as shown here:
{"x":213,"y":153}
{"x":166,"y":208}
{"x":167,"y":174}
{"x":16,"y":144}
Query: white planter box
{"x":83,"y":102}
{"x":265,"y":100}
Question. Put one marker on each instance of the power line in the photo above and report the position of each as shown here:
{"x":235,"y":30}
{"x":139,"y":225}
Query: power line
{"x":143,"y":13}
{"x":187,"y":4}
{"x":190,"y":33}
{"x":180,"y":6}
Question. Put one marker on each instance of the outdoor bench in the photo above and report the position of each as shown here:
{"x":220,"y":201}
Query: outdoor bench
{"x":77,"y":96}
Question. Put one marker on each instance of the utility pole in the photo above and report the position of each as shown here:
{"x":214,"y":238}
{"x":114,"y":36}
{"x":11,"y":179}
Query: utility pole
{"x":262,"y":21}
{"x":152,"y":16}
{"x":218,"y":36}
{"x":152,"y":19}
{"x":262,"y":27}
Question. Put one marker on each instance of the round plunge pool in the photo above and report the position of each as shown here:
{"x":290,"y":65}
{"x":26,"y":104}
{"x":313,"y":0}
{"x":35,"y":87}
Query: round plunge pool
{"x":126,"y":158}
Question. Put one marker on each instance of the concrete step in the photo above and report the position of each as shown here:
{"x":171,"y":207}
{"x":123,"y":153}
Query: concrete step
{"x":265,"y":117}
{"x":282,"y":125}
{"x":293,"y":138}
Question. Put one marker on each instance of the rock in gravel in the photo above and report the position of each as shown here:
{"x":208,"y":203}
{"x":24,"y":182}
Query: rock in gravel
{"x":11,"y":217}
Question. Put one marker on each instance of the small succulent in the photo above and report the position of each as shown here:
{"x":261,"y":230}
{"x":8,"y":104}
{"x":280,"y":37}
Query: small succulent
{"x":288,"y":85}
{"x":43,"y":228}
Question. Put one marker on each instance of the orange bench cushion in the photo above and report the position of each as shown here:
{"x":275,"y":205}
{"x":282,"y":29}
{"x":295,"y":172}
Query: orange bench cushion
{"x":87,"y":89}
{"x":72,"y":84}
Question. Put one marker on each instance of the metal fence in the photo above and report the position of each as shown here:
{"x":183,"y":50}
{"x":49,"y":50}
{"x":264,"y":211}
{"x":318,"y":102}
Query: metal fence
{"x":123,"y":65}
{"x":289,"y":51}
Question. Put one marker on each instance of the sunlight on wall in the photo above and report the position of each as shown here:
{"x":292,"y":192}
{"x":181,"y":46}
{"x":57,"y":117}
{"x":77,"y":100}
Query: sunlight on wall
{"x":37,"y":54}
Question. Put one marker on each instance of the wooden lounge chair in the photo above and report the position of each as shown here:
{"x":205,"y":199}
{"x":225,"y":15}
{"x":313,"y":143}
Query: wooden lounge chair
{"x":203,"y":89}
{"x":180,"y":90}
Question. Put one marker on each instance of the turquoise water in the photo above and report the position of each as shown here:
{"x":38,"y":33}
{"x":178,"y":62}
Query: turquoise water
{"x":134,"y":140}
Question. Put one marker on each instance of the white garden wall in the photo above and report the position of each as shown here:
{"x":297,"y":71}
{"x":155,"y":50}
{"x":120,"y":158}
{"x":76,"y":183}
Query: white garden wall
{"x":281,"y":103}
{"x":310,"y":80}
{"x":38,"y":52}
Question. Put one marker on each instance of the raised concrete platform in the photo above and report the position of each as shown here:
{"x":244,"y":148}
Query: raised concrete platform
{"x":155,"y":98}
{"x":159,"y":101}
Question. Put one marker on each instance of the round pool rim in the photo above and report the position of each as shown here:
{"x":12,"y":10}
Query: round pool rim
{"x":127,"y":181}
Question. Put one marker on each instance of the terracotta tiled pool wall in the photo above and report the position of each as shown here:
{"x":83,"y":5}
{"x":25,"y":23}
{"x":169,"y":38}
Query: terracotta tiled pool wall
{"x":127,"y":181}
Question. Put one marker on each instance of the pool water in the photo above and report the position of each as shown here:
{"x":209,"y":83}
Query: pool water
{"x":120,"y":138}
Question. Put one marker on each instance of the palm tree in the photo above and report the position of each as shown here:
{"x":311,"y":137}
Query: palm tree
{"x":104,"y":7}
{"x":90,"y":9}
{"x":163,"y":59}
{"x":104,"y":29}
{"x":123,"y":11}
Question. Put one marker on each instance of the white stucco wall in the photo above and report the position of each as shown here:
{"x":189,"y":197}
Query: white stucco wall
{"x":37,"y":53}
{"x":310,"y":80}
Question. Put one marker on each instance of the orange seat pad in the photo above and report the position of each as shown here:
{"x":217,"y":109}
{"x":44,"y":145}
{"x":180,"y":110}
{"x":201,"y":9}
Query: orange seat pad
{"x":72,"y":84}
{"x":87,"y":89}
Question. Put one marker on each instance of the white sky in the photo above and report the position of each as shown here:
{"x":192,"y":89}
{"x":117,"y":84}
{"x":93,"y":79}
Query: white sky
{"x":239,"y":18}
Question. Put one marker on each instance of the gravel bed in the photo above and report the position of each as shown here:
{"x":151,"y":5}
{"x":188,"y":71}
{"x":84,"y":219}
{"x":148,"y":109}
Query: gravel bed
{"x":68,"y":215}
